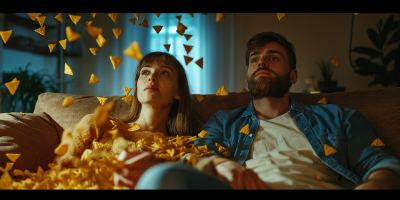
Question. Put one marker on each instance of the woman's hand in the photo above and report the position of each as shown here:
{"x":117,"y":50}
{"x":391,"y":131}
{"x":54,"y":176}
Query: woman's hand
{"x":136,"y":163}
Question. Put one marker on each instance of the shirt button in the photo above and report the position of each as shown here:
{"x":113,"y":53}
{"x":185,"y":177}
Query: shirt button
{"x":251,"y":135}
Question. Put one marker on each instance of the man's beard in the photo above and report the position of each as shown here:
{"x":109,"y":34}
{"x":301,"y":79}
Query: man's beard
{"x":268,"y":86}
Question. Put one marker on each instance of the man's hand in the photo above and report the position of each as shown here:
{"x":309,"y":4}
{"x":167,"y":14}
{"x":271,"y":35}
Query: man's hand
{"x":382,"y":179}
{"x":239,"y":176}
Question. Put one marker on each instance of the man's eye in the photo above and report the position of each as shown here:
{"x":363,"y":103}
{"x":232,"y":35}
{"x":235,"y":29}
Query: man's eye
{"x":274,"y":58}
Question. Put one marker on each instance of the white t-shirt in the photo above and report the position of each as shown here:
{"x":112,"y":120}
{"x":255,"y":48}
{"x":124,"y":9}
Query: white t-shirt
{"x":284,"y":159}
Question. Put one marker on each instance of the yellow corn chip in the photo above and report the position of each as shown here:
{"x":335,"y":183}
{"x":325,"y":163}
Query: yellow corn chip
{"x":244,"y":90}
{"x":93,"y":50}
{"x":180,"y":29}
{"x":22,"y":114}
{"x":127,"y":90}
{"x":323,"y":101}
{"x":117,"y":32}
{"x":94,"y":15}
{"x":187,"y":37}
{"x":133,"y":51}
{"x":336,"y":61}
{"x":245,"y":129}
{"x":127,"y":99}
{"x":144,"y":23}
{"x":179,"y":17}
{"x":191,"y":14}
{"x":137,"y":15}
{"x":41,"y":30}
{"x":75,"y":18}
{"x":59,"y":17}
{"x":134,"y":127}
{"x":61,"y":149}
{"x":68,"y":70}
{"x":280,"y":15}
{"x":9,"y":165}
{"x":102,"y":100}
{"x":157,"y":14}
{"x":12,"y":86}
{"x":199,"y":98}
{"x":318,"y":178}
{"x":220,"y":16}
{"x":192,"y":159}
{"x":71,"y":35}
{"x":13,"y":156}
{"x":188,"y":60}
{"x":40,"y":170}
{"x":93,"y":79}
{"x":114,"y":16}
{"x":18,"y":172}
{"x":1,"y":169}
{"x":51,"y":47}
{"x":157,"y":28}
{"x":329,"y":150}
{"x":132,"y":20}
{"x":227,"y":153}
{"x":67,"y":101}
{"x":222,"y":91}
{"x":171,"y":152}
{"x":187,"y":48}
{"x":355,"y":13}
{"x":203,"y":134}
{"x":114,"y":123}
{"x":199,"y":62}
{"x":34,"y":15}
{"x":115,"y":61}
{"x":114,"y":132}
{"x":377,"y":143}
{"x":63,"y":43}
{"x":100,"y":40}
{"x":94,"y":31}
{"x":5,"y":35}
{"x":89,"y":23}
{"x":167,"y":46}
{"x":41,"y":20}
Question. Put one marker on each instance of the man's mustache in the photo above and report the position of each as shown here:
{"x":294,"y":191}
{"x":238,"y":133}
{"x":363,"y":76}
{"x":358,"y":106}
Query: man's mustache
{"x":263,"y":68}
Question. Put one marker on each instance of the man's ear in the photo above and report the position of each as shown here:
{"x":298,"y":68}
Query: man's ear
{"x":293,"y":76}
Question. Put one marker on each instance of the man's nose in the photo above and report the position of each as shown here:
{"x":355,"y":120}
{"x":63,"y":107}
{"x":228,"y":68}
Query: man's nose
{"x":262,"y":63}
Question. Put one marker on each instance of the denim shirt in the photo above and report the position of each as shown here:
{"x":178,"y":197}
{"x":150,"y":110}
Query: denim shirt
{"x":342,"y":128}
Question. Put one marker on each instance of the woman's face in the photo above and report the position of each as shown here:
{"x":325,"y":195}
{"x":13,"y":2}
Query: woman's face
{"x":158,"y":84}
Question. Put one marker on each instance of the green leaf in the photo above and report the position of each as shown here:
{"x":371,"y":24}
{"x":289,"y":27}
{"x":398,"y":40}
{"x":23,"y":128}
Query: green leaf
{"x":366,"y":67}
{"x":392,"y":55}
{"x":395,"y":37}
{"x":368,"y":51}
{"x":375,"y":38}
{"x":387,"y":27}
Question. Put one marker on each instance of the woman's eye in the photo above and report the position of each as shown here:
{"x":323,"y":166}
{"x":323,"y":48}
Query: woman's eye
{"x":144,"y":72}
{"x":164,"y":73}
{"x":254,"y":60}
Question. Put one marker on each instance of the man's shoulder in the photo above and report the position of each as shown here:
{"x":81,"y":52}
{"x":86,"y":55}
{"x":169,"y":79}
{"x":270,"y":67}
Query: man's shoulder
{"x":331,"y":109}
{"x":229,"y":113}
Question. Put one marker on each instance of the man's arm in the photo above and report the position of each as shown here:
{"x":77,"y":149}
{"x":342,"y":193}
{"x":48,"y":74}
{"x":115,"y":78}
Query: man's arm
{"x":381,"y":179}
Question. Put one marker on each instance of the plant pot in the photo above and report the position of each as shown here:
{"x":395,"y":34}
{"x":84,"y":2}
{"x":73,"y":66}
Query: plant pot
{"x":327,"y":84}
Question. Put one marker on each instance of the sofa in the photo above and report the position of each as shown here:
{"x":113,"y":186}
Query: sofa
{"x":36,"y":135}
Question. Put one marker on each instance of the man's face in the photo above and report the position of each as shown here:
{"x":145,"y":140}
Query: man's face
{"x":269,"y":74}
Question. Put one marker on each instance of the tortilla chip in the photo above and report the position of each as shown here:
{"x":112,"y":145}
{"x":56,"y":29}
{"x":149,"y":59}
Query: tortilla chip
{"x":157,"y":14}
{"x":187,"y":48}
{"x":63,"y":43}
{"x":89,"y":23}
{"x":187,"y":37}
{"x":220,"y":16}
{"x":67,"y":101}
{"x":336,"y":61}
{"x":377,"y":143}
{"x":318,"y":178}
{"x":18,"y":172}
{"x":203,"y":134}
{"x":68,"y":70}
{"x":12,"y":86}
{"x":157,"y":28}
{"x":199,"y":62}
{"x":71,"y":35}
{"x":101,"y":40}
{"x":199,"y":98}
{"x":133,"y":51}
{"x":188,"y":60}
{"x":127,"y":99}
{"x":94,"y":15}
{"x":5,"y":35}
{"x":179,"y":17}
{"x":75,"y":18}
{"x":191,"y":14}
{"x":8,"y":166}
{"x":132,"y":20}
{"x":280,"y":15}
{"x":167,"y":46}
{"x":40,"y":170}
{"x":222,"y":91}
{"x":61,"y":149}
{"x":323,"y":101}
{"x":93,"y":50}
{"x":244,"y":90}
{"x":41,"y":30}
{"x":13,"y":156}
{"x":329,"y":150}
{"x":181,"y":28}
{"x":114,"y":16}
{"x":192,"y":159}
{"x":59,"y":17}
{"x":115,"y":61}
{"x":144,"y":23}
{"x":134,"y":127}
{"x":117,"y":32}
{"x":22,"y":114}
{"x":93,"y":79}
{"x":94,"y":31}
{"x":34,"y":15}
{"x":102,"y":100}
{"x":137,"y":15}
{"x":41,"y":20}
{"x":51,"y":47}
{"x":127,"y":90}
{"x":245,"y":130}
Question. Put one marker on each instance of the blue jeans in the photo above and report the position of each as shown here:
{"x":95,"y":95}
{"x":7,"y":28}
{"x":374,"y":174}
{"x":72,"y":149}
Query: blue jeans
{"x":176,"y":176}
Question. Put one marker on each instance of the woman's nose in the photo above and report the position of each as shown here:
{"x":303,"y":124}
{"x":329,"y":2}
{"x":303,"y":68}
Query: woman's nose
{"x":152,"y":78}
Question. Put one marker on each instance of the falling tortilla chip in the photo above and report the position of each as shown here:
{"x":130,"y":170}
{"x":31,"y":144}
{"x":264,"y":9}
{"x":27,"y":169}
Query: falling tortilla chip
{"x":157,"y":28}
{"x":127,"y":90}
{"x":199,"y":98}
{"x":101,"y":40}
{"x":71,"y":35}
{"x":127,"y":99}
{"x":134,"y":127}
{"x":94,"y":31}
{"x":34,"y":15}
{"x":51,"y":47}
{"x":203,"y":134}
{"x":144,"y":23}
{"x":115,"y":61}
{"x":181,"y":28}
{"x":13,"y":156}
{"x":187,"y":48}
{"x":318,"y":178}
{"x":245,"y":129}
{"x":200,"y":62}
{"x":12,"y":86}
{"x":167,"y":46}
{"x":114,"y":16}
{"x":336,"y":61}
{"x":63,"y":43}
{"x":323,"y":101}
{"x":41,"y":30}
{"x":355,"y":13}
{"x":61,"y":149}
{"x":22,"y":114}
{"x":93,"y":50}
{"x":133,"y":51}
{"x":187,"y":37}
{"x":89,"y":23}
{"x":329,"y":150}
{"x":220,"y":16}
{"x":101,"y":112}
{"x":41,"y":20}
{"x":40,"y":170}
{"x":75,"y":18}
{"x":188,"y":60}
{"x":222,"y":91}
{"x":117,"y":32}
{"x":5,"y":35}
{"x":18,"y":172}
{"x":59,"y":17}
{"x":102,"y":100}
{"x":377,"y":143}
{"x":132,"y":20}
{"x":67,"y":101}
{"x":68,"y":70}
{"x":8,"y":166}
{"x":93,"y":79}
{"x":137,"y":15}
{"x":244,"y":90}
{"x":280,"y":15}
{"x":94,"y":15}
{"x":157,"y":14}
{"x":179,"y":17}
{"x":191,"y":14}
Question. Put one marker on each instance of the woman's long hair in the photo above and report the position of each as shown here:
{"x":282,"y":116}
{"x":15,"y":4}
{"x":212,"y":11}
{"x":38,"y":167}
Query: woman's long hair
{"x":182,"y":120}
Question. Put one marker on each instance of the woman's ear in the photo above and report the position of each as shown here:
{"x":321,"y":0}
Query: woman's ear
{"x":178,"y":97}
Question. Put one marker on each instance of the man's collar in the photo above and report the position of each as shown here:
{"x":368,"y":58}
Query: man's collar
{"x":294,"y":106}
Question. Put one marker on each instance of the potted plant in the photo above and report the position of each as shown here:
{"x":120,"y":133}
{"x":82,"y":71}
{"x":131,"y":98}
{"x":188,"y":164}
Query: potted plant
{"x":326,"y":71}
